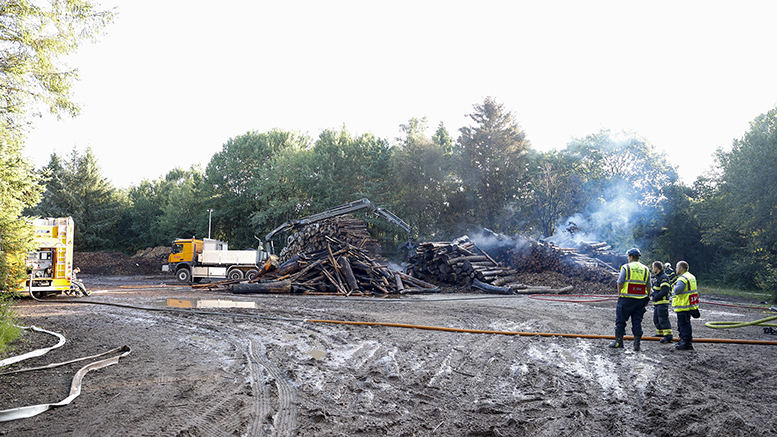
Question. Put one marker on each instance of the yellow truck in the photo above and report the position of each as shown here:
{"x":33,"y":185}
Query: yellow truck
{"x":50,"y":267}
{"x":193,"y":260}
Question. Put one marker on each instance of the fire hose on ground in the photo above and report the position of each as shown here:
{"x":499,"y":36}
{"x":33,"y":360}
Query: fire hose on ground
{"x":75,"y":390}
{"x":586,"y":298}
{"x":424,"y":327}
{"x":75,"y":385}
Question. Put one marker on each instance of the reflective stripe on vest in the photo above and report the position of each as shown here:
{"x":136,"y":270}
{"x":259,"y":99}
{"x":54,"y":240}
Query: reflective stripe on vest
{"x":637,"y":278}
{"x":688,"y":299}
{"x":657,"y":288}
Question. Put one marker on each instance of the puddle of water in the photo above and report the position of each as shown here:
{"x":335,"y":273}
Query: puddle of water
{"x":178,"y":303}
{"x":209,"y":303}
{"x":317,"y":354}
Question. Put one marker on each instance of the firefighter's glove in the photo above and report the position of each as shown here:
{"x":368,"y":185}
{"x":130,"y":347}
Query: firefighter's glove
{"x":695,"y":314}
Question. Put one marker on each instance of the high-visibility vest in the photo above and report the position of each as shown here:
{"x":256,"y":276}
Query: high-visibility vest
{"x":637,"y":279}
{"x":662,"y":281}
{"x":688,"y":299}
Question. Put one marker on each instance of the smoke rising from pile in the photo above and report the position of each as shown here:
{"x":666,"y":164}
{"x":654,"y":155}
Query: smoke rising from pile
{"x":610,"y":217}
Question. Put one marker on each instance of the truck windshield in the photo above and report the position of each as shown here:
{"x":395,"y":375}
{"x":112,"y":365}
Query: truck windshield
{"x":177,"y":248}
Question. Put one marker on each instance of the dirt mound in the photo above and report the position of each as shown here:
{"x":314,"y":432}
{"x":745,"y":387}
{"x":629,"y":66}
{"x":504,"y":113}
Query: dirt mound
{"x":144,"y":262}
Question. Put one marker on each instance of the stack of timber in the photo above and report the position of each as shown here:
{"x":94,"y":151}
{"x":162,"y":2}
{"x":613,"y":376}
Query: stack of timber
{"x":347,"y":229}
{"x":457,"y":262}
{"x":603,"y":252}
{"x":340,"y":269}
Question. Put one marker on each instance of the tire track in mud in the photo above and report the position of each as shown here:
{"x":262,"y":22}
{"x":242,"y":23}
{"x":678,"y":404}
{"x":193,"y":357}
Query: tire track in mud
{"x":284,"y":421}
{"x":274,"y":395}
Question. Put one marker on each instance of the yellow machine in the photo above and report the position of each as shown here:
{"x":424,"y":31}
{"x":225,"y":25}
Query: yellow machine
{"x":50,"y":267}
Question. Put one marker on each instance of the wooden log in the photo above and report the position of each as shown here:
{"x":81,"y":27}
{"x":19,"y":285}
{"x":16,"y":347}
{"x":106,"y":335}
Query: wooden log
{"x":486,"y":255}
{"x":334,"y":282}
{"x":345,"y":264}
{"x":488,"y":288}
{"x":416,"y":281}
{"x":262,"y":287}
{"x":419,"y":290}
{"x":400,"y":285}
{"x":469,"y":258}
{"x":525,"y":289}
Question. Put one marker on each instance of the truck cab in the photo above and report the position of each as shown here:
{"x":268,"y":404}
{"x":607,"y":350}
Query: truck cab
{"x":185,"y":250}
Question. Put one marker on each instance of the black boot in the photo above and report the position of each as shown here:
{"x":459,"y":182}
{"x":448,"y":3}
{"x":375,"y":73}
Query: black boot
{"x":637,"y":341}
{"x":683,"y":346}
{"x":618,"y":343}
{"x":666,"y":339}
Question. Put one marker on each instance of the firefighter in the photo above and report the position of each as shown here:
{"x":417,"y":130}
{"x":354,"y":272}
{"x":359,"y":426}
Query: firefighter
{"x":685,"y":301}
{"x":670,"y":273}
{"x":661,"y":292}
{"x":633,"y":297}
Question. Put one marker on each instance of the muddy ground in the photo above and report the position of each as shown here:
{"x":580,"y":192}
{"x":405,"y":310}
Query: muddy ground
{"x":266,"y":371}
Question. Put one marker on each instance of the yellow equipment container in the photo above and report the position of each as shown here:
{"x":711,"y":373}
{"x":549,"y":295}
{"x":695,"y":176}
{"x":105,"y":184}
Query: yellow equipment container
{"x":50,"y":267}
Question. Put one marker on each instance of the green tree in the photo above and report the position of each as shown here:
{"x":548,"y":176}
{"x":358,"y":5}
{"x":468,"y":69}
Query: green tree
{"x":239,"y":180}
{"x":183,"y":205}
{"x":34,"y":36}
{"x":76,"y":188}
{"x":553,"y":195}
{"x":492,"y":165}
{"x":164,"y":209}
{"x":20,"y":188}
{"x":678,"y":228}
{"x":338,"y":165}
{"x":282,"y":191}
{"x":419,"y":165}
{"x":740,"y":216}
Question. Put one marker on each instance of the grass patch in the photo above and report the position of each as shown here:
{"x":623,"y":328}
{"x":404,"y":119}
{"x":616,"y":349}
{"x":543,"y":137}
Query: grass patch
{"x":9,"y":331}
{"x":760,"y":296}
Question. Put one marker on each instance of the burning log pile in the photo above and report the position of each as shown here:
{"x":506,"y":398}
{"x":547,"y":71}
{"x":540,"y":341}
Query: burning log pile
{"x":340,"y":268}
{"x":529,"y":255}
{"x":496,"y":268}
{"x":347,"y":229}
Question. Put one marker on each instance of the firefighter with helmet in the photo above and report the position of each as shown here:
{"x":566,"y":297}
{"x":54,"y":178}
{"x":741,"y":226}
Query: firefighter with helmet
{"x":660,"y":295}
{"x":633,"y":296}
{"x":685,"y":301}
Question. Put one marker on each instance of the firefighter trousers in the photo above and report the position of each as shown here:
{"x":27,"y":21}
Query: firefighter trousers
{"x":629,"y":308}
{"x":661,"y":319}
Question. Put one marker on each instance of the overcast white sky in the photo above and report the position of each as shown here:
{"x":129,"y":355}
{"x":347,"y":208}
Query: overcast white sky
{"x":171,"y":81}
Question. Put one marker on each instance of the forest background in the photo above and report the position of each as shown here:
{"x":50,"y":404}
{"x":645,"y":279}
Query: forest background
{"x":614,"y":186}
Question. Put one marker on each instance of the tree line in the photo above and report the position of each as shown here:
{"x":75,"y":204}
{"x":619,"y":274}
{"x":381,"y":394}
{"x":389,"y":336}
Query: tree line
{"x":612,"y":186}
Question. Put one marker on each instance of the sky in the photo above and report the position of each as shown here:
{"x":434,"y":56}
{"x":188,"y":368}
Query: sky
{"x":169,"y":83}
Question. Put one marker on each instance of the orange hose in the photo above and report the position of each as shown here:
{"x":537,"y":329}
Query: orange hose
{"x":533,"y":334}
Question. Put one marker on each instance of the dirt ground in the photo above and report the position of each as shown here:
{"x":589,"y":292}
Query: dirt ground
{"x":218,"y":370}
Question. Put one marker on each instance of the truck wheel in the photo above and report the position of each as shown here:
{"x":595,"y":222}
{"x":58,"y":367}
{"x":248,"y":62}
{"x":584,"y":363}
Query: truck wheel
{"x":251,"y":274}
{"x":183,"y":275}
{"x":235,"y":274}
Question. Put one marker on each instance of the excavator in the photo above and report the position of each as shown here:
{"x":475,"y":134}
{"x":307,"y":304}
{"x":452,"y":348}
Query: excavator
{"x":343,"y":209}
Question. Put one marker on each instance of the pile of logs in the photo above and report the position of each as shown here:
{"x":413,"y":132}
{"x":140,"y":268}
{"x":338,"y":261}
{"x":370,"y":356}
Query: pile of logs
{"x":347,"y":228}
{"x":463,"y":262}
{"x":340,"y":269}
{"x":457,"y":262}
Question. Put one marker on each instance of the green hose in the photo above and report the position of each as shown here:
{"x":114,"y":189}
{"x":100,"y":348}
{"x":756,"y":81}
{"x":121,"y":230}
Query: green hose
{"x":727,"y":325}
